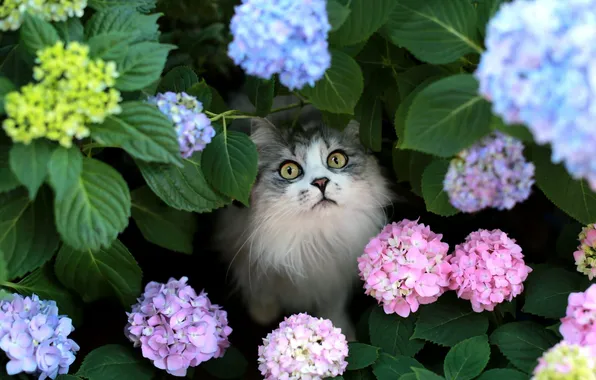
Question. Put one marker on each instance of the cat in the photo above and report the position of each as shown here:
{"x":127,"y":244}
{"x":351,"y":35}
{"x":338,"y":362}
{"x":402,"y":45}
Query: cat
{"x":318,"y":199}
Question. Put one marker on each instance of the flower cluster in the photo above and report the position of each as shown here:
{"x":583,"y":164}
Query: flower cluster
{"x":287,"y":37}
{"x":193,"y":128}
{"x":538,"y":70}
{"x":585,"y":256}
{"x":35,"y":337}
{"x":492,"y":173}
{"x":72,"y":91}
{"x":566,"y":361}
{"x":303,"y":347}
{"x":403,"y":267}
{"x":176,"y":328}
{"x":13,"y":11}
{"x":487,"y":269}
{"x":579,"y":324}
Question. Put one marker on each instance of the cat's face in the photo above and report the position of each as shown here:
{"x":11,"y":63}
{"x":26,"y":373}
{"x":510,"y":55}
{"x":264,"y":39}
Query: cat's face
{"x":316,"y":170}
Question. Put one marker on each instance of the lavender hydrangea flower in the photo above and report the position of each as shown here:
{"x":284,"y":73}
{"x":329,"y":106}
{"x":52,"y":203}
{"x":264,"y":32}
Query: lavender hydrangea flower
{"x":538,"y":70}
{"x":35,"y":337}
{"x":287,"y":37}
{"x":193,"y":127}
{"x":176,"y":328}
{"x":491,"y":173}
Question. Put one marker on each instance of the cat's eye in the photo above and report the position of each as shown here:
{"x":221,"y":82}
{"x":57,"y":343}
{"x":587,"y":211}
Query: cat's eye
{"x":337,"y":160}
{"x":290,"y":170}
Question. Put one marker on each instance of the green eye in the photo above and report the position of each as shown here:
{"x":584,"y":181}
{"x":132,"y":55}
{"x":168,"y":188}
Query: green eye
{"x":290,"y":170}
{"x":337,"y":160}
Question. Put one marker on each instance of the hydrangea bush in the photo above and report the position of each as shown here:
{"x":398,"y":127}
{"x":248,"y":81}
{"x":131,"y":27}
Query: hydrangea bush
{"x":118,"y":144}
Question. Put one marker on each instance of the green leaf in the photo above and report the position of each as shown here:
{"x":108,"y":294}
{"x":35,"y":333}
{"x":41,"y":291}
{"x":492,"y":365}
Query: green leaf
{"x":389,"y":367}
{"x":401,"y":163}
{"x":424,"y":374}
{"x":230,"y":165}
{"x":361,"y":355}
{"x":37,"y":34}
{"x":362,"y":21}
{"x":369,"y":112}
{"x":142,"y":131}
{"x":202,"y":92}
{"x":435,"y":197}
{"x":179,"y":79}
{"x":92,"y":213}
{"x":467,"y":359}
{"x":70,"y":30}
{"x":415,"y":76}
{"x":29,"y":163}
{"x":115,"y":362}
{"x":336,"y":120}
{"x":110,"y":46}
{"x":502,"y":373}
{"x":183,"y":188}
{"x":392,"y":333}
{"x":162,"y":225}
{"x":44,"y":284}
{"x":16,"y":64}
{"x":447,"y":323}
{"x":486,"y":10}
{"x":434,"y":31}
{"x":100,"y":274}
{"x":572,"y":196}
{"x":417,"y":165}
{"x":340,"y":88}
{"x":139,"y":5}
{"x":3,"y":268}
{"x":28,"y":237}
{"x":64,"y":169}
{"x":8,"y":181}
{"x":123,"y":19}
{"x":447,"y":116}
{"x":260,"y":93}
{"x":142,"y":65}
{"x":231,"y":366}
{"x":6,"y":87}
{"x":518,"y":131}
{"x":523,"y":343}
{"x":547,"y":291}
{"x":337,"y":14}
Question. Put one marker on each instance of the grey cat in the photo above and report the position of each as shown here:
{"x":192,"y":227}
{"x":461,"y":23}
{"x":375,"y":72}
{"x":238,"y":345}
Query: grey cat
{"x":318,"y":199}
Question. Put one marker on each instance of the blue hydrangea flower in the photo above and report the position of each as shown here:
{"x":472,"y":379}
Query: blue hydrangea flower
{"x":539,"y":70}
{"x":492,"y":173}
{"x":193,"y":127}
{"x":288,"y":37}
{"x":35,"y":337}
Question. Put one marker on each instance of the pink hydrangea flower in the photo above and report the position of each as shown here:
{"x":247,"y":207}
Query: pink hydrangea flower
{"x":585,"y":256}
{"x":487,"y":269}
{"x":303,"y":347}
{"x":403,"y":267}
{"x":579,"y":324}
{"x":176,"y":328}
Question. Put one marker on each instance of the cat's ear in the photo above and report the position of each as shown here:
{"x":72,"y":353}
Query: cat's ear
{"x":352,"y":129}
{"x":262,"y":131}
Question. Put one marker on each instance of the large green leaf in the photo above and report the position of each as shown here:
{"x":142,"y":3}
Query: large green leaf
{"x":139,"y":5}
{"x":16,"y":64}
{"x":183,"y":188}
{"x":8,"y":181}
{"x":95,"y":210}
{"x":337,"y":14}
{"x":412,"y":78}
{"x":467,"y":359}
{"x":64,"y":169}
{"x":361,"y":355}
{"x":3,"y":269}
{"x":179,"y":79}
{"x":435,"y":31}
{"x":28,"y":237}
{"x":424,"y":374}
{"x":70,"y":30}
{"x":6,"y":86}
{"x":369,"y":112}
{"x":37,"y":34}
{"x":572,"y":196}
{"x":364,"y":19}
{"x":502,"y":373}
{"x":485,"y":10}
{"x":341,"y":86}
{"x":29,"y":163}
{"x":389,"y":367}
{"x":435,"y":197}
{"x":231,"y":366}
{"x":230,"y":164}
{"x":111,"y":46}
{"x":393,"y":333}
{"x":115,"y":362}
{"x":523,"y":343}
{"x":447,"y":116}
{"x":123,"y":19}
{"x":142,"y":65}
{"x":162,"y":225}
{"x":336,"y":120}
{"x":518,"y":131}
{"x":260,"y":93}
{"x":99,"y":274}
{"x":143,"y":131}
{"x":448,"y":322}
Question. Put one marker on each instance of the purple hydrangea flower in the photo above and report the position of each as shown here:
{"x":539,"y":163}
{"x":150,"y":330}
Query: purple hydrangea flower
{"x":538,"y":70}
{"x":288,"y":37}
{"x":193,"y":128}
{"x":491,"y":173}
{"x":176,"y":328}
{"x":35,"y":337}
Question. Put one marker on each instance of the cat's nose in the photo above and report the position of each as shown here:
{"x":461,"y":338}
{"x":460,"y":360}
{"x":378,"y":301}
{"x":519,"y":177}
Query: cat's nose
{"x":321,"y":183}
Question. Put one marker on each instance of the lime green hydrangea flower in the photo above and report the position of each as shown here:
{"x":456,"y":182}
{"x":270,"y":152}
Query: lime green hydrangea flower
{"x":61,"y":10}
{"x":585,"y":255}
{"x":12,"y":11}
{"x":566,"y":361}
{"x":72,"y":91}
